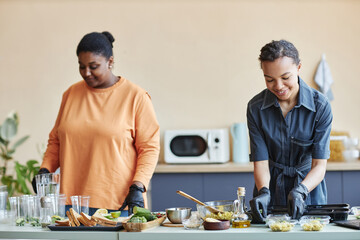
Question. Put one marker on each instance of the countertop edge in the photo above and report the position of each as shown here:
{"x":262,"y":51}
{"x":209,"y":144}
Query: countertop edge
{"x":237,"y":167}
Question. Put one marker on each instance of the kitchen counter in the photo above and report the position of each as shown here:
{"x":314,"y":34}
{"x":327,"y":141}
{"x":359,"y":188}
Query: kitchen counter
{"x":330,"y":232}
{"x":29,"y":232}
{"x":254,"y":232}
{"x":237,"y":167}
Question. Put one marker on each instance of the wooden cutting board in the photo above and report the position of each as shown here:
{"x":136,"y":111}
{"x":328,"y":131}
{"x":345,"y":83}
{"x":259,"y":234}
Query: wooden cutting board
{"x":170,"y":224}
{"x":139,"y":227}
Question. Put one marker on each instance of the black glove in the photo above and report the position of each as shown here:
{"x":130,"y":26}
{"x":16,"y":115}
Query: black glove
{"x":134,"y":198}
{"x":33,"y":182}
{"x":261,"y":201}
{"x":296,"y":201}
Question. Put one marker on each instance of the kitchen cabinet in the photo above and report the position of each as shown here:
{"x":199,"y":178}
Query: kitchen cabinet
{"x":203,"y":186}
{"x":219,"y":182}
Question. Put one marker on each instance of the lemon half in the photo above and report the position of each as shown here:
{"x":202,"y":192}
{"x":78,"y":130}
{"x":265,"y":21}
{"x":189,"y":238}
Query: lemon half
{"x":101,"y":211}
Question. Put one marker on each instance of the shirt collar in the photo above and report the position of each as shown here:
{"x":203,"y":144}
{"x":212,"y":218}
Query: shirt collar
{"x":305,"y":98}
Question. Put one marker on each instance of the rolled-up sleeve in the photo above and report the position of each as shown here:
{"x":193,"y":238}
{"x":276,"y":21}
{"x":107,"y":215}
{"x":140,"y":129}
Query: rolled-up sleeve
{"x":258,"y":145}
{"x":321,"y":145}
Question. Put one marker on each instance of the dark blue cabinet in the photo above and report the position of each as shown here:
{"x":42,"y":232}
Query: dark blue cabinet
{"x":343,"y":187}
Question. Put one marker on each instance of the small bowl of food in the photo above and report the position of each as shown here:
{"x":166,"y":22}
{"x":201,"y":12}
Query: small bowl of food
{"x":226,"y":206}
{"x":356,"y":211}
{"x":314,"y":222}
{"x":215,"y":224}
{"x":178,"y":215}
{"x":194,"y":222}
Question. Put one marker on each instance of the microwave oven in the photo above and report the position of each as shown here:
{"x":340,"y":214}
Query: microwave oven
{"x":196,"y":146}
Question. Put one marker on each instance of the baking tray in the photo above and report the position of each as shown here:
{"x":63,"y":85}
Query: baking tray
{"x":54,"y":227}
{"x":354,"y":223}
{"x":342,"y":206}
{"x":337,"y":212}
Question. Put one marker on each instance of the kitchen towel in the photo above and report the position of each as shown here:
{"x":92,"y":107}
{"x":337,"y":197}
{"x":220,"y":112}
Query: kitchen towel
{"x":324,"y":79}
{"x":240,"y":143}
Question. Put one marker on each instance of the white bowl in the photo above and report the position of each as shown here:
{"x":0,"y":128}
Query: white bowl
{"x":351,"y":155}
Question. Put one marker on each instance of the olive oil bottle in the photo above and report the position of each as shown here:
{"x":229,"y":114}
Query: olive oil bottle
{"x":242,"y":218}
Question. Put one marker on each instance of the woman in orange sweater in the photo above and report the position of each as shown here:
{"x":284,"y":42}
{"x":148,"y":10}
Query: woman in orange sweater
{"x":106,"y":137}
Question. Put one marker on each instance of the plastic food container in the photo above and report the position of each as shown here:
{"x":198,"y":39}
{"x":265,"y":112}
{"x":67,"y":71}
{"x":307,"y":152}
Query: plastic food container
{"x":314,"y":223}
{"x":276,"y":218}
{"x":281,"y":225}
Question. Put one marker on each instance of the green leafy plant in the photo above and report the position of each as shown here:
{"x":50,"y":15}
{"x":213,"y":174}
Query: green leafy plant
{"x":24,"y":173}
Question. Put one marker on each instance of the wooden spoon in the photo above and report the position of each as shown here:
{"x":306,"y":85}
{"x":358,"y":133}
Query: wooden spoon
{"x":210,"y":208}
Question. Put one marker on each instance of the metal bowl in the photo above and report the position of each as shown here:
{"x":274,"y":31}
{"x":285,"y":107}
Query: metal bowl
{"x":177,"y":215}
{"x":223,"y":205}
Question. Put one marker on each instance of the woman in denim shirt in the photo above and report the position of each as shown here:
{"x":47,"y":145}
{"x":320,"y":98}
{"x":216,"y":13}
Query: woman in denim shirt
{"x":289,"y":126}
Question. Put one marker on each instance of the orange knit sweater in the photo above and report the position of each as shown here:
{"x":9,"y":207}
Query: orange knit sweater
{"x":103,"y":140}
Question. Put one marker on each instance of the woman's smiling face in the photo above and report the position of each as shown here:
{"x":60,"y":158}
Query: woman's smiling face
{"x":95,"y":69}
{"x":281,"y":78}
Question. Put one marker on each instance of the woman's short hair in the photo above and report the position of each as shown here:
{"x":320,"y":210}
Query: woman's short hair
{"x":97,"y":43}
{"x":277,"y":49}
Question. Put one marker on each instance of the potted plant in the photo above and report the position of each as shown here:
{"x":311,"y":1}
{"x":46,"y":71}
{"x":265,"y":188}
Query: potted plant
{"x":24,"y":173}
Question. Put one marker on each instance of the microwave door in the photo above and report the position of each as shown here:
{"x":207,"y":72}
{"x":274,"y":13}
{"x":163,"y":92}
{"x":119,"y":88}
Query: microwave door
{"x":188,"y":146}
{"x":209,"y":146}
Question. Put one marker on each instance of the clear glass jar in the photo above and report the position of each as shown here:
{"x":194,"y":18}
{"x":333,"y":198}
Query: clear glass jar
{"x":241,"y":218}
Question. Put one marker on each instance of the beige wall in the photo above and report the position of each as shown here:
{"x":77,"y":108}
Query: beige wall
{"x":197,"y":59}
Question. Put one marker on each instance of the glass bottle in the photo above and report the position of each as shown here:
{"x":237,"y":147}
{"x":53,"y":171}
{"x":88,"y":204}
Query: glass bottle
{"x":45,"y":211}
{"x":241,"y":218}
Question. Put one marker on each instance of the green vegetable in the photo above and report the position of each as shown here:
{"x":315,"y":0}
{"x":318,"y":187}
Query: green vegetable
{"x":143,"y":212}
{"x":115,"y":214}
{"x":20,"y":222}
{"x":137,"y":219}
{"x":35,"y":222}
{"x":56,"y":218}
{"x":358,"y":216}
{"x":109,"y":216}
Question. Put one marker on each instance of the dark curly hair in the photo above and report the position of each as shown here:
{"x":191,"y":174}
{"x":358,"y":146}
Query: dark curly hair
{"x":98,"y":43}
{"x":277,"y":49}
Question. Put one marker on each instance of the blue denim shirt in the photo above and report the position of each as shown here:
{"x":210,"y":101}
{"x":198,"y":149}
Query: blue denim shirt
{"x":290,"y":143}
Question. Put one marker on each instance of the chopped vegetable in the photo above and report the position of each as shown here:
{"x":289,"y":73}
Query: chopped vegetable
{"x":110,"y":217}
{"x":137,"y":219}
{"x":20,"y":222}
{"x":35,"y":222}
{"x":56,"y":218}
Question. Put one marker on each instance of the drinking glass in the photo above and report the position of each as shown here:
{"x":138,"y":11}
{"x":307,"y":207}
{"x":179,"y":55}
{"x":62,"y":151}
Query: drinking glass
{"x":3,"y":201}
{"x":34,"y":210}
{"x":15,"y":207}
{"x":24,"y":207}
{"x":80,"y":203}
{"x":47,"y":183}
{"x":58,"y":204}
{"x":3,"y":188}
